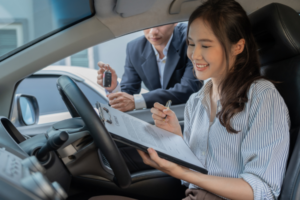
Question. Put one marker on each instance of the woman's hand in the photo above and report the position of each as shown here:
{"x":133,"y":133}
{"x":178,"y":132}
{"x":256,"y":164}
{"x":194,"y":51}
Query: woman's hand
{"x":152,"y":159}
{"x":171,"y":124}
{"x":231,"y":188}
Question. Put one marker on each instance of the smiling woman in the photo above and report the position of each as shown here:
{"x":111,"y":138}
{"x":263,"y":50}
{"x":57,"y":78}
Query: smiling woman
{"x":237,"y":121}
{"x":222,"y":47}
{"x":24,"y":23}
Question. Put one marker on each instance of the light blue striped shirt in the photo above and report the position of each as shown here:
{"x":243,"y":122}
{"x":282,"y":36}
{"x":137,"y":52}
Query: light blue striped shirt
{"x":258,"y":153}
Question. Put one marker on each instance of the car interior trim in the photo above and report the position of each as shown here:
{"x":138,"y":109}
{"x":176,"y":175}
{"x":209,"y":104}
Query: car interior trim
{"x":122,"y":26}
{"x":59,"y":73}
{"x":176,"y":6}
{"x":125,"y":9}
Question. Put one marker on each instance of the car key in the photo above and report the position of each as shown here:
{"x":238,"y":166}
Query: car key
{"x":107,"y":78}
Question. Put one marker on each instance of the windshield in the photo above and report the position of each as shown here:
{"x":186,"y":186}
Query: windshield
{"x":25,"y":22}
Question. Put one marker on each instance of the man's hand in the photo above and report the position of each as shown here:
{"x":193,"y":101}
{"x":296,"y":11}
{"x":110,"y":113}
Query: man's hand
{"x":114,"y":76}
{"x":121,"y":101}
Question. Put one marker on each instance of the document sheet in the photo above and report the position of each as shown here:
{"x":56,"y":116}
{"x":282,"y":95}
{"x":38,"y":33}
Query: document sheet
{"x":148,"y":135}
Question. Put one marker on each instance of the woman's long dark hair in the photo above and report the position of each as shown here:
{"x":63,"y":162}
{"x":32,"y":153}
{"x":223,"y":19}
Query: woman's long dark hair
{"x":230,"y":23}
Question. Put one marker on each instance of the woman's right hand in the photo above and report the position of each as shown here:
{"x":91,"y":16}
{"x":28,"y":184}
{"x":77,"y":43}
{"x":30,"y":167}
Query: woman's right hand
{"x":171,"y":124}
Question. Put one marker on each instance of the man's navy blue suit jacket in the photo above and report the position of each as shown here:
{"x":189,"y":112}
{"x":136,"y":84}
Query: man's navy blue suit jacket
{"x":141,"y":65}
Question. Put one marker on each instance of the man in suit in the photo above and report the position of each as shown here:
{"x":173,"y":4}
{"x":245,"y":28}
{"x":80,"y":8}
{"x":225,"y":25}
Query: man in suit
{"x":159,"y":60}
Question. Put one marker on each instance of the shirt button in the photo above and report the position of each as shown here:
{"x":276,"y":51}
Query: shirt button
{"x":203,"y":153}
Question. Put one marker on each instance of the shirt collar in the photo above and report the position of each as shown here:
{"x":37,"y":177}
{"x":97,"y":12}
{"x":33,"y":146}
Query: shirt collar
{"x":204,"y":95}
{"x":165,"y":51}
{"x":205,"y":90}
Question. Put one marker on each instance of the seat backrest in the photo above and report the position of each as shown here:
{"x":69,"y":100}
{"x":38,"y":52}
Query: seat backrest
{"x":276,"y":29}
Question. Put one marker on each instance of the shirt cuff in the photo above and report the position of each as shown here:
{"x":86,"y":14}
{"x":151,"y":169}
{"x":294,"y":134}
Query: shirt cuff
{"x":260,"y":189}
{"x":117,"y":89}
{"x":139,"y":101}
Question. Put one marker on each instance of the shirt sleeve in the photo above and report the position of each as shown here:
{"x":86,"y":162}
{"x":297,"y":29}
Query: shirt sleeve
{"x":117,"y":89}
{"x":187,"y":127}
{"x":266,"y":144}
{"x":139,"y":101}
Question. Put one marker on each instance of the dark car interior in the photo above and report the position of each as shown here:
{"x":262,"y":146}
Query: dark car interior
{"x":78,"y":159}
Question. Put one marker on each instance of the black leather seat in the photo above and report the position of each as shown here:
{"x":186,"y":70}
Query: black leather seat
{"x":276,"y":29}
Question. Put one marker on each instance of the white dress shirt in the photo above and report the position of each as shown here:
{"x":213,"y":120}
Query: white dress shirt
{"x":139,"y":100}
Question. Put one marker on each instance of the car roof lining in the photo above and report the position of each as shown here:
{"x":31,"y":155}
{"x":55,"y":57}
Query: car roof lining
{"x":125,"y":9}
{"x":159,"y":13}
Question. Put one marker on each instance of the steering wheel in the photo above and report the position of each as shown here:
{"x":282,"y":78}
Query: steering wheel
{"x":103,"y":140}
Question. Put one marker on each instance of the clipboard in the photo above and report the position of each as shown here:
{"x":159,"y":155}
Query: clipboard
{"x":106,"y":117}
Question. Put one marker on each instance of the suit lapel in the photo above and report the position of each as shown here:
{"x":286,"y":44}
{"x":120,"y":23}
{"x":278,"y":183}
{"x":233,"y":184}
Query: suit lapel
{"x":150,"y":67}
{"x":172,"y":58}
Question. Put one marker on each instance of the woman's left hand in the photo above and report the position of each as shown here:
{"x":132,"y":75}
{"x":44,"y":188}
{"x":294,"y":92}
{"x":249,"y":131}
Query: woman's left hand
{"x":152,"y":159}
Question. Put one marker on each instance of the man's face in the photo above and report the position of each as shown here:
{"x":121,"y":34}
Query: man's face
{"x":159,"y":35}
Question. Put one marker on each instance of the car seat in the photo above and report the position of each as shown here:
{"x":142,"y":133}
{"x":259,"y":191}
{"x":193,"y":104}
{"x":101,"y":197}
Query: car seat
{"x":276,"y":29}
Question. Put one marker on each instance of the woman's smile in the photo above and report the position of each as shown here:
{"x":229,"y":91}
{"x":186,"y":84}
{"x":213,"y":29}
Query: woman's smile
{"x":201,"y":67}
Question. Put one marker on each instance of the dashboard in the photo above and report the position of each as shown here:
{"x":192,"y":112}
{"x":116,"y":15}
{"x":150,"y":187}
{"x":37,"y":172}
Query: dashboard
{"x":77,"y":167}
{"x":22,"y":176}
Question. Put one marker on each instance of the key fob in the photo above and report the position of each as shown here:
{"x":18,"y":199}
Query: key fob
{"x":107,"y":78}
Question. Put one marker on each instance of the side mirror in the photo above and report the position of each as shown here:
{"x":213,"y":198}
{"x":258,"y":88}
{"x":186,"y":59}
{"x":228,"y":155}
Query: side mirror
{"x":28,"y":110}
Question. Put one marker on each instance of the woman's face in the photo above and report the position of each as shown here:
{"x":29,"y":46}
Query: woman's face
{"x":205,"y":52}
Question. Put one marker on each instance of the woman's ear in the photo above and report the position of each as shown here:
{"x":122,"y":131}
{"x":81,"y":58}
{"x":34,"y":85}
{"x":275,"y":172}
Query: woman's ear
{"x":238,"y":47}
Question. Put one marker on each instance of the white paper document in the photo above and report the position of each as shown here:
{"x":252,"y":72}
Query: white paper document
{"x":148,"y":135}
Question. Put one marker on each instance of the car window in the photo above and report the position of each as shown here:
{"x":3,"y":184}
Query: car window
{"x":23,"y":23}
{"x":49,"y":100}
{"x":112,"y":52}
{"x":91,"y":95}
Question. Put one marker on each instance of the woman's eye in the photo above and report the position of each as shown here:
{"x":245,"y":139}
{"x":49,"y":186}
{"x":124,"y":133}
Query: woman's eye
{"x":205,"y":46}
{"x":192,"y":45}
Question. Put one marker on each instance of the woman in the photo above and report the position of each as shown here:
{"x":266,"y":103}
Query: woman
{"x":237,"y":124}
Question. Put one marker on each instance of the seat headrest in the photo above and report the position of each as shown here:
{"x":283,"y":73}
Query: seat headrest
{"x":276,"y":29}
